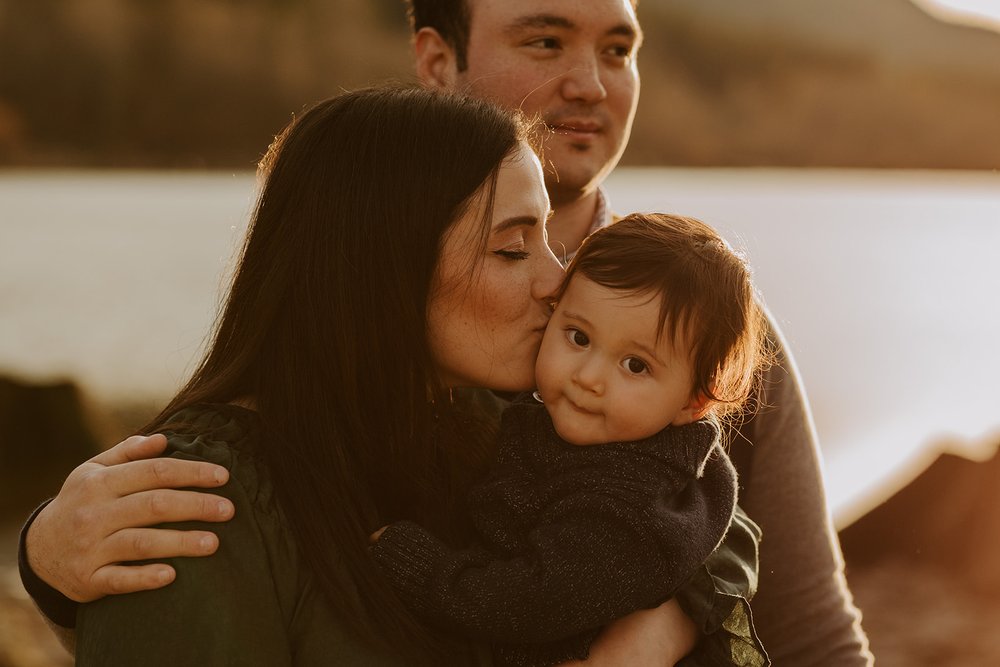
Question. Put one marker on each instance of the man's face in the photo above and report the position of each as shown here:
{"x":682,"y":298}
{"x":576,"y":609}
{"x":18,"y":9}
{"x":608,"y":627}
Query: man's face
{"x":570,"y":63}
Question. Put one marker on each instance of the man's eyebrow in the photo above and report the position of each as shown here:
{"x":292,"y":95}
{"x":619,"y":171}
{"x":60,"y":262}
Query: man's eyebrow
{"x":536,"y":21}
{"x":517,"y":221}
{"x":626,"y":30}
{"x":539,"y":21}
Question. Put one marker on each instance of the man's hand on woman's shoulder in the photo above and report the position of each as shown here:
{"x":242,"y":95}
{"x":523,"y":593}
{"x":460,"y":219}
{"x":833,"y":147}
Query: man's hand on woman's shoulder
{"x":82,"y":541}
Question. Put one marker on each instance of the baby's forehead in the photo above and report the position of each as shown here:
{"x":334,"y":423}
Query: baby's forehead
{"x":642,"y":307}
{"x":670,"y":323}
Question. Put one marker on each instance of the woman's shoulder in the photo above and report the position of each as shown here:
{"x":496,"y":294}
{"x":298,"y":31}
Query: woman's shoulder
{"x":211,"y":431}
{"x":227,"y":435}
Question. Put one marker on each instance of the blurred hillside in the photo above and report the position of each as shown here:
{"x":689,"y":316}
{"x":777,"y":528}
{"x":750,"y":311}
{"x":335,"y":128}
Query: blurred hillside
{"x":860,"y":83}
{"x":854,"y":83}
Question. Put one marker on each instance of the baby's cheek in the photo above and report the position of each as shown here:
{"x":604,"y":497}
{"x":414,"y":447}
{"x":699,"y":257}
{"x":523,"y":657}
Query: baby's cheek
{"x":544,"y":371}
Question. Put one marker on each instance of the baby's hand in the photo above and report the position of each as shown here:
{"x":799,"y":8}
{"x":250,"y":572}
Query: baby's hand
{"x":373,"y":538}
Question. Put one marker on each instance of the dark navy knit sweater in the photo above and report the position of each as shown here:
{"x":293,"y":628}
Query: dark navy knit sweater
{"x":571,"y":537}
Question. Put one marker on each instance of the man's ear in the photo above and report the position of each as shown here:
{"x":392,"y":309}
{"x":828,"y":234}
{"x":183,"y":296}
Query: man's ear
{"x":435,"y":59}
{"x":697,"y":408}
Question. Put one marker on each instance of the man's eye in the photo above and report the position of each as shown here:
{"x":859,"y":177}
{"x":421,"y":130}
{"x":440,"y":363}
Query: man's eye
{"x":577,"y":337}
{"x":620,"y":51}
{"x":545,"y":43}
{"x":635,"y":365}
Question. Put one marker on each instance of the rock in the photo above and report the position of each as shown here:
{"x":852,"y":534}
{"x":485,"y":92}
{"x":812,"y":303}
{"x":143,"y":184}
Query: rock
{"x":947,"y":518}
{"x":45,"y":432}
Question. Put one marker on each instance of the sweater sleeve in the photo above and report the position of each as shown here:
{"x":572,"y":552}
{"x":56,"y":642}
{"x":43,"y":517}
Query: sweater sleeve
{"x":803,"y":609}
{"x":58,"y":609}
{"x":591,"y":558}
{"x":221,"y":610}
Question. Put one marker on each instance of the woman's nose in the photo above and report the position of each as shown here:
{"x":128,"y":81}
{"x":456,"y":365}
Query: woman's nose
{"x":548,"y":276}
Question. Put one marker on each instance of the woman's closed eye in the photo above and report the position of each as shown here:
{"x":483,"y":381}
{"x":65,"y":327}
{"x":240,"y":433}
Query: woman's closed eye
{"x":512,"y":253}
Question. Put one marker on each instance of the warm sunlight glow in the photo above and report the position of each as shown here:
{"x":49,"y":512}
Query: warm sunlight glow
{"x":982,"y":13}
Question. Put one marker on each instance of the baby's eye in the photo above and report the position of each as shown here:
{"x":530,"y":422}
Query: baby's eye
{"x":577,"y":337}
{"x":635,"y":365}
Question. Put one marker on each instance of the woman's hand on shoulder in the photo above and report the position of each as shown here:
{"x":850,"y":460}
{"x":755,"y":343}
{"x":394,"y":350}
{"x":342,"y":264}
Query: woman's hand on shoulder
{"x":657,"y":637}
{"x":78,"y":543}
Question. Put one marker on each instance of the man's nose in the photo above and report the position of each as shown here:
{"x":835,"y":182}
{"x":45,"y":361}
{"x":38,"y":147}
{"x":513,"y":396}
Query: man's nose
{"x":583,"y":81}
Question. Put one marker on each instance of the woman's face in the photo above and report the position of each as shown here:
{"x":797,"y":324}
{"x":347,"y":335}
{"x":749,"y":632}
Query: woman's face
{"x":489,"y":305}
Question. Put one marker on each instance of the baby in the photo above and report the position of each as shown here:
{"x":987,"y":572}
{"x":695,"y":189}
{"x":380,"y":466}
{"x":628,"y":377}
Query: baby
{"x":611,"y":487}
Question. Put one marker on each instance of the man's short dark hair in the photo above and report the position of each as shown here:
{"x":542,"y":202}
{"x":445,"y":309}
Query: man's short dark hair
{"x":451,"y":20}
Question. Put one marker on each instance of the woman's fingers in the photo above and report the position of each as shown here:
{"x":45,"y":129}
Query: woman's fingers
{"x":659,"y":636}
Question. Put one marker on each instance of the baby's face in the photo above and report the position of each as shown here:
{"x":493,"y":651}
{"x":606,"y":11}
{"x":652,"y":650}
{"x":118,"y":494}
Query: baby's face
{"x":602,"y":373}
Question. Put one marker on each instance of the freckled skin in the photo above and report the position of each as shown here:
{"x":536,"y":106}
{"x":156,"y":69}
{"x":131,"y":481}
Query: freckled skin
{"x":485,"y":329}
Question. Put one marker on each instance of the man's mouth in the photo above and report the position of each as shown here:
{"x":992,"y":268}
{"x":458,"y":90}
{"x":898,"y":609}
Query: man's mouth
{"x":581,"y":129}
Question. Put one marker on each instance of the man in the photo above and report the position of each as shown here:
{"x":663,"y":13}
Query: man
{"x":573,"y":65}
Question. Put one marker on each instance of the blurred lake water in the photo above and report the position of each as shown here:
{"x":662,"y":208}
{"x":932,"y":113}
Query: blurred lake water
{"x":885,"y":284}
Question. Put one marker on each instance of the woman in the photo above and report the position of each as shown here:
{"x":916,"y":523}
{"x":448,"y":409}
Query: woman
{"x":397,"y":251}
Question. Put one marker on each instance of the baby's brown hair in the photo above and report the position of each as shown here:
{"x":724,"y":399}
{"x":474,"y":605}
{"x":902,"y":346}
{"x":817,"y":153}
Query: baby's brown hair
{"x":706,"y":297}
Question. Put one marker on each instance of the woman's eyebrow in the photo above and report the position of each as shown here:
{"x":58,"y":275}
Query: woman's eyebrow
{"x":517,"y":221}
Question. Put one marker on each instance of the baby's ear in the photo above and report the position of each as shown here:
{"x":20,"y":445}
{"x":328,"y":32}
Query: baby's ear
{"x":696,"y":408}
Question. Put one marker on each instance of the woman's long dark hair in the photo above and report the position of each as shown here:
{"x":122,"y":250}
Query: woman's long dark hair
{"x":324,"y":329}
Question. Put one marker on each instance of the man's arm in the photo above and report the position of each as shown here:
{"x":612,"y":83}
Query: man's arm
{"x":803,"y":610}
{"x":221,"y":610}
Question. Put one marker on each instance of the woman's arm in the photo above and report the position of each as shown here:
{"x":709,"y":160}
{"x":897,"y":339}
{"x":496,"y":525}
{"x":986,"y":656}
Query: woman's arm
{"x":77,"y":543}
{"x":660,"y":637}
{"x":803,"y":609}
